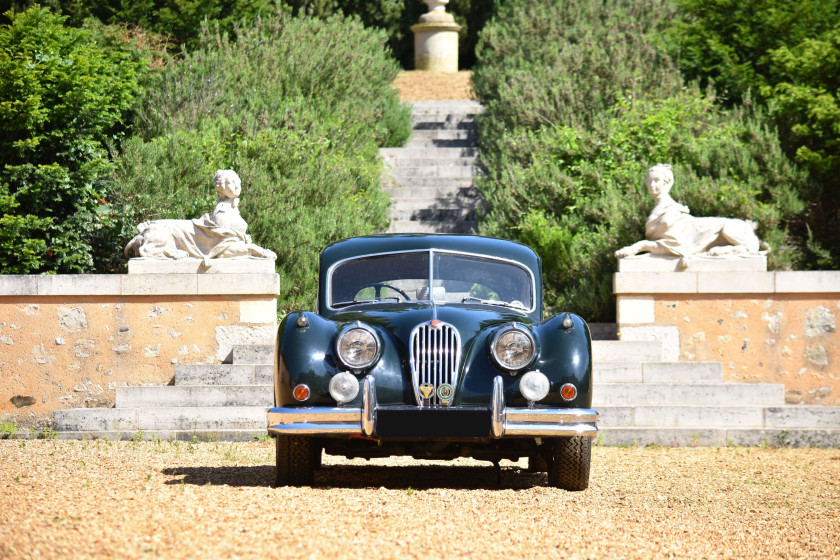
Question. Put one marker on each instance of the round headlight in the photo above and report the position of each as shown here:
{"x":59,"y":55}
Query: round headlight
{"x":357,"y":348}
{"x":344,"y":387}
{"x":534,"y":386}
{"x":513,"y":348}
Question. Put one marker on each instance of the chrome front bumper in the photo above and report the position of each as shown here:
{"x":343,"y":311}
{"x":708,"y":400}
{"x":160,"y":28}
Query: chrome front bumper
{"x":504,"y":421}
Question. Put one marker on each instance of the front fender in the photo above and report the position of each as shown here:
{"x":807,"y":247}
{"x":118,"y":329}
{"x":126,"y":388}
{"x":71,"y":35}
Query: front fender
{"x":306,"y":354}
{"x":566,"y":357}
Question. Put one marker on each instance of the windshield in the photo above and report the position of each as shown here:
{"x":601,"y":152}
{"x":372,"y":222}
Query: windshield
{"x":454,"y":278}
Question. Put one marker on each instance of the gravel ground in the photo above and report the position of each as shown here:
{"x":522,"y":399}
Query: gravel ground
{"x":213,"y":500}
{"x":416,"y":85}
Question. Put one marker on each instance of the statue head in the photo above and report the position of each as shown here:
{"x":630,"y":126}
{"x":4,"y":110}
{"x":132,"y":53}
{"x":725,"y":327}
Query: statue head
{"x":227,"y":183}
{"x":659,"y":180}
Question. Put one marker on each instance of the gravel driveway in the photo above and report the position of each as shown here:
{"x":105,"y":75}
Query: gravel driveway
{"x":213,"y":500}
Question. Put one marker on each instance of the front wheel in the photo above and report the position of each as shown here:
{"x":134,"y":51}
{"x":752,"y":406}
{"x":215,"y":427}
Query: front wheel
{"x":570,"y":468}
{"x":296,"y":461}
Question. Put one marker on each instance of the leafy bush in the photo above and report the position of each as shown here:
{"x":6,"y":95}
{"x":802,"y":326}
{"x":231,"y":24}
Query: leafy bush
{"x":566,"y":177}
{"x":559,"y":62}
{"x":298,"y":107}
{"x":177,"y":20}
{"x":62,"y":98}
{"x":785,"y":56}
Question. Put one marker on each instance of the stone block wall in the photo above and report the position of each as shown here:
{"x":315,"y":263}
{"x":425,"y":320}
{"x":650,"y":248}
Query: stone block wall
{"x":67,"y":341}
{"x":775,"y":327}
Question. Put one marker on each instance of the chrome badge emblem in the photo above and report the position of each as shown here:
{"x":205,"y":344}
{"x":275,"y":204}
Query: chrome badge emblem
{"x":445,"y":392}
{"x":427,"y":390}
{"x":435,"y":323}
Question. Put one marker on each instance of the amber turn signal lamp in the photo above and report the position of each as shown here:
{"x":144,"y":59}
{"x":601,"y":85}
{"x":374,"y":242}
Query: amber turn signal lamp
{"x":301,"y":392}
{"x":568,"y":391}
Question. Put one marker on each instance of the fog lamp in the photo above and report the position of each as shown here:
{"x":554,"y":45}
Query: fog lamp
{"x":344,"y":387}
{"x":534,"y":386}
{"x":301,"y":392}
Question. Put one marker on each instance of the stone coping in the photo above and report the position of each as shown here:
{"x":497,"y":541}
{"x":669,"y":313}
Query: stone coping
{"x":138,"y":284}
{"x":727,"y":282}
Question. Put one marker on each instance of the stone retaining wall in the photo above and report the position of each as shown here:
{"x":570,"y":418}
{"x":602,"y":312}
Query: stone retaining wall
{"x":776,"y":327}
{"x":67,"y":341}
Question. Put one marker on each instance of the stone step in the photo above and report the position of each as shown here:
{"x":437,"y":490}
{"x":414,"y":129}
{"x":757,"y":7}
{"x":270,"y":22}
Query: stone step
{"x":426,"y":184}
{"x":161,"y":418}
{"x":718,"y":437}
{"x":706,"y":416}
{"x":428,"y":153}
{"x":417,"y":226}
{"x":447,"y":121}
{"x":719,"y":416}
{"x":803,"y":416}
{"x":442,"y":203}
{"x":447,"y":107}
{"x":168,"y":435}
{"x":224,"y":374}
{"x":658,"y":372}
{"x":433,"y":214}
{"x":440,"y":143}
{"x":252,"y":354}
{"x":672,"y":394}
{"x":396,"y":162}
{"x":442,"y":134}
{"x":202,"y":395}
{"x":452,"y":192}
{"x":441,"y":171}
{"x":618,"y":351}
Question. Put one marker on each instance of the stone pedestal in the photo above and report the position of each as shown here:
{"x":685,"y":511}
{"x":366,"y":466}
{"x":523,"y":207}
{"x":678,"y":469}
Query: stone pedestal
{"x":197,"y":266}
{"x":436,"y":40}
{"x":767,"y":326}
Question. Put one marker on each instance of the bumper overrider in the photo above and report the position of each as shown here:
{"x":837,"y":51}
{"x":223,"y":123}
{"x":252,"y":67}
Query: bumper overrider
{"x":372,"y":420}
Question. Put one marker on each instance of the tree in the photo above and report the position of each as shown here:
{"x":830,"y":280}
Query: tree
{"x":63,"y":98}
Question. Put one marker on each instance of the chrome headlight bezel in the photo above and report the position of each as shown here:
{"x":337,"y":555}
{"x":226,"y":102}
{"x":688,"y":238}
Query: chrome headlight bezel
{"x":344,"y":356}
{"x":517,"y":330}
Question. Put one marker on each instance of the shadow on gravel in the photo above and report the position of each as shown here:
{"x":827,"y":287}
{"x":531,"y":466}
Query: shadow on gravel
{"x":420,"y":477}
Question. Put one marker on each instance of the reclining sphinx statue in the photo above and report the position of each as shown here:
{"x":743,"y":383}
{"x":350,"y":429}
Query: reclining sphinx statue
{"x":671,"y":230}
{"x":219,"y":234}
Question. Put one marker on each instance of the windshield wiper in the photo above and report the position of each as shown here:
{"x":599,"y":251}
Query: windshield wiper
{"x":493,"y":302}
{"x":360,"y":301}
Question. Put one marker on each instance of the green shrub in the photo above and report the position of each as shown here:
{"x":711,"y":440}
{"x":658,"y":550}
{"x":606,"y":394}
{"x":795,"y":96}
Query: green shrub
{"x":785,"y":56}
{"x":298,"y":107}
{"x":561,"y":63}
{"x":63,"y":97}
{"x":572,"y":124}
{"x":177,"y":20}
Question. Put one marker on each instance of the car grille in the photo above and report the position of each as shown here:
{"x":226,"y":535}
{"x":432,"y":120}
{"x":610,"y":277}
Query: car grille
{"x":435,"y":356}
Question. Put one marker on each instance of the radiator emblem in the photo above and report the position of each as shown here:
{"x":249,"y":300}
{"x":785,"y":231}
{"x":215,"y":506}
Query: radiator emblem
{"x":427,"y":390}
{"x":445,"y":392}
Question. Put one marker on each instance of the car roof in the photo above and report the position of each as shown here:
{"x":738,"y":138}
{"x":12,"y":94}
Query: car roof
{"x":394,"y":243}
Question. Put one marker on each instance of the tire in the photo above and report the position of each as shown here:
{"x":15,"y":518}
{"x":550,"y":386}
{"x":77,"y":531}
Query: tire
{"x":295,"y":461}
{"x":570,"y":468}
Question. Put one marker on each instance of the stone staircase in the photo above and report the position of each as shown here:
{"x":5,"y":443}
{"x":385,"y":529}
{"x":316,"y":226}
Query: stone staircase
{"x":430,"y":180}
{"x":641,"y":399}
{"x":645,"y":401}
{"x":224,"y":402}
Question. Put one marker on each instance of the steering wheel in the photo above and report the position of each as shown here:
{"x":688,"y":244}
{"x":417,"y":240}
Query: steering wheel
{"x":380,"y":285}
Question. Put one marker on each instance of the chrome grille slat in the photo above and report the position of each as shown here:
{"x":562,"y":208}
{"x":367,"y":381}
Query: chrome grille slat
{"x":435,"y":354}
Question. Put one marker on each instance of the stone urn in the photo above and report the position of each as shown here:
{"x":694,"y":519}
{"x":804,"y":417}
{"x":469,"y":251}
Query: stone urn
{"x":436,"y":39}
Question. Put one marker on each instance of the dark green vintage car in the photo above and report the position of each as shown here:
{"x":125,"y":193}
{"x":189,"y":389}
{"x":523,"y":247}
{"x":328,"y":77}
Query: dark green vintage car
{"x":433,"y":346}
